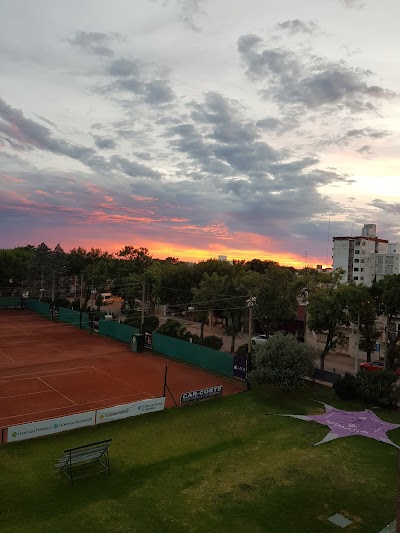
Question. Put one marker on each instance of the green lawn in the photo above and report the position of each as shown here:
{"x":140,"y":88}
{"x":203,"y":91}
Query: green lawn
{"x":224,"y":465}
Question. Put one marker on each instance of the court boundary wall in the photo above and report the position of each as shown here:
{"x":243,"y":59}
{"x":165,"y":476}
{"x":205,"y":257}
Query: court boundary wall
{"x":11,"y":302}
{"x":200,"y":356}
{"x":52,"y":426}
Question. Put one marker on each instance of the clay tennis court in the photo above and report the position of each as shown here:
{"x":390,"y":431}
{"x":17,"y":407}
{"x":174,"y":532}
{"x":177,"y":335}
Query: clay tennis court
{"x":50,"y":369}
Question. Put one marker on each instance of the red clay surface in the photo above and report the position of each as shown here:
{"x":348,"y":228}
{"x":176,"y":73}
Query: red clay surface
{"x":50,"y":369}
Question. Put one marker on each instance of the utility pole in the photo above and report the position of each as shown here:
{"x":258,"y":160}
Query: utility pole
{"x":357,"y":343}
{"x":250,"y":325}
{"x":80,"y":299}
{"x":52,"y":290}
{"x":143,"y":300}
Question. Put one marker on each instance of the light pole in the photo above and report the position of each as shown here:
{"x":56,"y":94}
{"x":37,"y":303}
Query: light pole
{"x":357,"y":343}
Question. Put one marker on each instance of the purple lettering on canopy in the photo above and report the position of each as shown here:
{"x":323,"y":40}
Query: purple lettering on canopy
{"x":348,"y":423}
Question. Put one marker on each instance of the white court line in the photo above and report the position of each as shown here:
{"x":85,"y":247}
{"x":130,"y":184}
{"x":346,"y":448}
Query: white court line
{"x":8,"y":357}
{"x":77,"y":404}
{"x":55,"y":390}
{"x":25,"y":394}
{"x":51,"y":372}
{"x":110,"y":376}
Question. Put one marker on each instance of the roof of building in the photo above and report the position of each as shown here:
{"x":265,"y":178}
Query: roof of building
{"x":360,"y":238}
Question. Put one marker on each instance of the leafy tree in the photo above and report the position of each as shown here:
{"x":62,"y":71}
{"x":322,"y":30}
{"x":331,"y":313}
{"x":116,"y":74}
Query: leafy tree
{"x":172,"y":328}
{"x":363,"y":310}
{"x":139,"y":259}
{"x":387,"y":295}
{"x":175,"y":285}
{"x":282,"y":361}
{"x":327,"y":313}
{"x":237,"y":290}
{"x":207,"y":297}
{"x":276,"y":299}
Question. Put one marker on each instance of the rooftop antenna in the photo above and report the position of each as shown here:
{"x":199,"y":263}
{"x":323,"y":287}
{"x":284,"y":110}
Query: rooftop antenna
{"x":305,"y":260}
{"x":328,"y":243}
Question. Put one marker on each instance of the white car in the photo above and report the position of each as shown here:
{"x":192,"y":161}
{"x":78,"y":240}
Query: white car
{"x":259,"y":339}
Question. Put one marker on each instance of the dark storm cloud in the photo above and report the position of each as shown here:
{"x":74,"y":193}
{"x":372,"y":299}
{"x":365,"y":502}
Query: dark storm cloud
{"x":93,"y":42}
{"x":122,"y":67}
{"x":306,"y":82}
{"x":104,"y":143}
{"x":221,"y":146}
{"x":299,"y":26}
{"x":30,"y":133}
{"x":276,"y":125}
{"x":353,"y":4}
{"x":364,"y":150}
{"x":391,"y":208}
{"x":357,"y":133}
{"x":131,"y":168}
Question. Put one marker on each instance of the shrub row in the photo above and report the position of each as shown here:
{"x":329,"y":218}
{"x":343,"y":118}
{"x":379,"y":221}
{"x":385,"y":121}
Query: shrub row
{"x":377,"y":388}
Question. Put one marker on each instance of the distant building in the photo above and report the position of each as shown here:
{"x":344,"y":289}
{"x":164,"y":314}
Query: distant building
{"x":222,"y":258}
{"x":381,"y":264}
{"x":353,"y":254}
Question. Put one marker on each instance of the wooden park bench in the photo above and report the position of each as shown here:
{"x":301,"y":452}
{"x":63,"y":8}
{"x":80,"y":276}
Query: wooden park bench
{"x":85,"y":461}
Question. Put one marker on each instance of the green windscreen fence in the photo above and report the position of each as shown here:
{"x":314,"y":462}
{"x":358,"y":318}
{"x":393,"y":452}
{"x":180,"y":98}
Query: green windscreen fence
{"x":10,"y":302}
{"x":116,"y":330}
{"x":69,"y":315}
{"x":38,"y":307}
{"x":219,"y":362}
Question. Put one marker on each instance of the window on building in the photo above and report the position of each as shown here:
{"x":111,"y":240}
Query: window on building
{"x":356,"y":260}
{"x":362,"y":260}
{"x":356,"y":251}
{"x":357,"y":243}
{"x":362,"y":278}
{"x":362,"y":270}
{"x":363,"y":243}
{"x":356,"y":269}
{"x":355,"y":278}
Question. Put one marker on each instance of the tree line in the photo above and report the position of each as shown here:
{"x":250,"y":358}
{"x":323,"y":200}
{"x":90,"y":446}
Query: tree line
{"x":212,"y":288}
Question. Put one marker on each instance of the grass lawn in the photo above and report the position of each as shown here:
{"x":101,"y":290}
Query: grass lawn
{"x":224,"y":465}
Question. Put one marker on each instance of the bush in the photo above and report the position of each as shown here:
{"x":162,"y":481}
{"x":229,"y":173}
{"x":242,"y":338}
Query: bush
{"x":346,"y":387}
{"x":282,"y":361}
{"x":212,"y":341}
{"x":151,"y":323}
{"x":242,"y":350}
{"x":378,"y":388}
{"x":172,"y":328}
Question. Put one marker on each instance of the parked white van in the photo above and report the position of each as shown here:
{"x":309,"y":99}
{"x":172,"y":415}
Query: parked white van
{"x":108,"y":298}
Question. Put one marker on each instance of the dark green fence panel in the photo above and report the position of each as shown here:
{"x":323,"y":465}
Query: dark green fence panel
{"x":117,"y":331}
{"x":219,"y":362}
{"x":38,"y":307}
{"x":10,"y":302}
{"x":69,"y":315}
{"x":85,"y":321}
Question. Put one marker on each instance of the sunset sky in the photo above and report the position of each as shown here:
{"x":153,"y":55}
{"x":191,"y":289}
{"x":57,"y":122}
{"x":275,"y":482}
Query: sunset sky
{"x":248,"y":128}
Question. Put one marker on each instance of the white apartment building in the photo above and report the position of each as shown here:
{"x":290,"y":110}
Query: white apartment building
{"x":353,"y":254}
{"x":385,"y":264}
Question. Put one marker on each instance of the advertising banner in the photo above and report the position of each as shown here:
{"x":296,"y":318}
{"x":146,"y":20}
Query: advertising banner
{"x":239,"y":367}
{"x":201,"y":394}
{"x":50,"y":426}
{"x":148,"y":340}
{"x":130,"y":409}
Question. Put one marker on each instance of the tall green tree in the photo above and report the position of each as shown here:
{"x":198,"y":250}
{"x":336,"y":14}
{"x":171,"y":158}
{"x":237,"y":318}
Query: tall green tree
{"x":277,"y":298}
{"x":207,"y":297}
{"x":387,"y":295}
{"x":327,"y":313}
{"x":363,"y":312}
